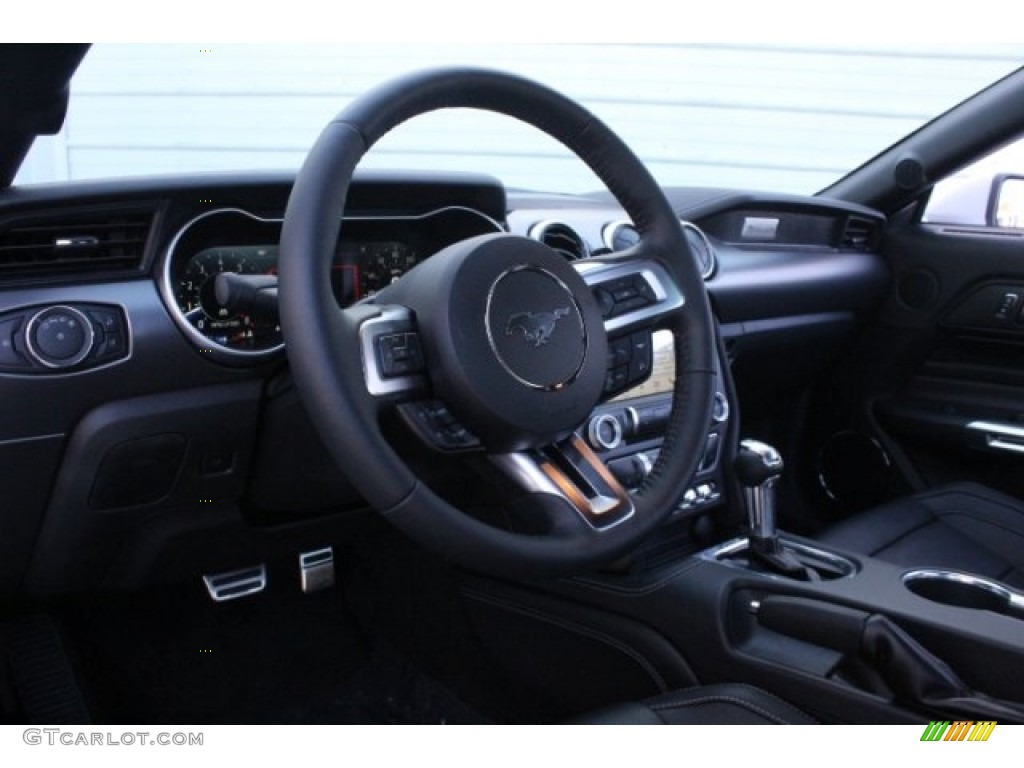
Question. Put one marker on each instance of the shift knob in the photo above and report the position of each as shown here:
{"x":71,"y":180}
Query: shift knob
{"x":758,"y":467}
{"x":757,"y":463}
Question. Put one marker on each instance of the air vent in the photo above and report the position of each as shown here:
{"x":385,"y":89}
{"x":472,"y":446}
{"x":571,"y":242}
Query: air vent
{"x":562,"y":238}
{"x":700,"y":246}
{"x":74,"y":243}
{"x":859,"y":234}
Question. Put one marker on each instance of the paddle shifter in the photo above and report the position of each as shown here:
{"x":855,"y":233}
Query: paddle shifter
{"x":758,"y":467}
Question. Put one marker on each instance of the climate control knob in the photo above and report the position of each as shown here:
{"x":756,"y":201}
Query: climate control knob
{"x":58,"y":337}
{"x":605,"y":432}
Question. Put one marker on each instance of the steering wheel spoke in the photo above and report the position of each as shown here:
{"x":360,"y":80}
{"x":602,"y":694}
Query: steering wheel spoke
{"x":572,"y":472}
{"x":633,"y":294}
{"x":434,"y":423}
{"x":635,"y":297}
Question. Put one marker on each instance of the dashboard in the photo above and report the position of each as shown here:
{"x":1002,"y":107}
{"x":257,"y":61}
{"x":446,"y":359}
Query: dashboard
{"x":173,"y":422}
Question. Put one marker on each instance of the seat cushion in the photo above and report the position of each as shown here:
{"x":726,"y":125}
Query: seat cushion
{"x":962,"y":527}
{"x":725,"y":704}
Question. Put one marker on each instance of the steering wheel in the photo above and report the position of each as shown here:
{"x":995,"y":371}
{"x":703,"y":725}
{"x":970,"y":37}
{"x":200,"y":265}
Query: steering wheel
{"x":497,"y":344}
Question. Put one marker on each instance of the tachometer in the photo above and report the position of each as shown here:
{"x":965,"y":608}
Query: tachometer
{"x":382,"y":263}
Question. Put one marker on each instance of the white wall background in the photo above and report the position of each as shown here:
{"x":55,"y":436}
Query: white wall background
{"x":789,"y":118}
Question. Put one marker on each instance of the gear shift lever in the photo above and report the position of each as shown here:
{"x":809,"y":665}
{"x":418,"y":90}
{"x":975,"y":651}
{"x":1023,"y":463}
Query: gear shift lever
{"x":758,"y":467}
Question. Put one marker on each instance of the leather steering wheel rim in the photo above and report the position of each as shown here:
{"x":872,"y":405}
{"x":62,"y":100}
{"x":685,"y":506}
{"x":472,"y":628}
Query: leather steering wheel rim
{"x":323,"y":342}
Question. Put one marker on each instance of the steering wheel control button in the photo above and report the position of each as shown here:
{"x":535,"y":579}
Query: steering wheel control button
{"x":630,"y":359}
{"x":620,"y":351}
{"x":437,"y":426}
{"x":605,"y":301}
{"x":641,"y":356}
{"x":535,"y":328}
{"x":59,"y":337}
{"x":399,"y":354}
{"x":624,"y":294}
{"x":616,"y":380}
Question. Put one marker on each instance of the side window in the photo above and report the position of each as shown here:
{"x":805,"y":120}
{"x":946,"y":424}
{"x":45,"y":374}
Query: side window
{"x":987,"y":193}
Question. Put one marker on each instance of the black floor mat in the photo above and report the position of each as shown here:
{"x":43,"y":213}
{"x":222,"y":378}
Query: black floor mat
{"x":390,"y":689}
{"x":36,"y":680}
{"x":297,"y":659}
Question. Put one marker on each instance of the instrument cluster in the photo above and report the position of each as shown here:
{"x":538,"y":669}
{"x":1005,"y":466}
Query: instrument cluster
{"x":372,"y":253}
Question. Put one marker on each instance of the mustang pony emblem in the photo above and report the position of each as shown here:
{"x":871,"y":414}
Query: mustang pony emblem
{"x":537,"y":327}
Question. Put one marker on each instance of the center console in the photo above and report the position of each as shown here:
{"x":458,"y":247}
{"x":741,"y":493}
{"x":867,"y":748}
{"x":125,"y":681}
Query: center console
{"x":841,"y":635}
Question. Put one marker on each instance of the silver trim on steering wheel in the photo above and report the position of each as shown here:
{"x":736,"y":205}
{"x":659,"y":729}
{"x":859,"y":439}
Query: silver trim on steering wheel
{"x":667,"y":297}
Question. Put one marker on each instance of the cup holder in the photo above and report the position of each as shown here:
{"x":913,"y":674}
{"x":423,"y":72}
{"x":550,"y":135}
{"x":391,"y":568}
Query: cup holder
{"x":965,"y":591}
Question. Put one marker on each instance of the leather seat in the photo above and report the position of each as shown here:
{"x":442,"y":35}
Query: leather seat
{"x":725,"y":704}
{"x":962,"y":527}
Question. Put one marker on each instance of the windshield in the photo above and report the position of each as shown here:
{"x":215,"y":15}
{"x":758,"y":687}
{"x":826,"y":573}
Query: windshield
{"x":785,"y":118}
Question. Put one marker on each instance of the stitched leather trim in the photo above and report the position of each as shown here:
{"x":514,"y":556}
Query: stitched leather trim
{"x":723,"y":699}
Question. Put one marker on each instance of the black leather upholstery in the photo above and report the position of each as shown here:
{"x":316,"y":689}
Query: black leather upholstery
{"x":963,"y":527}
{"x":726,"y":704}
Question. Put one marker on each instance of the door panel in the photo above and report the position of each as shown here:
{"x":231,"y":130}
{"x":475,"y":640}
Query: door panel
{"x":941,"y":387}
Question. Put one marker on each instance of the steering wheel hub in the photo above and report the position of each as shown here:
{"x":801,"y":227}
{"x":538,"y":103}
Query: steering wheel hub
{"x":536,"y":328}
{"x":515,"y":340}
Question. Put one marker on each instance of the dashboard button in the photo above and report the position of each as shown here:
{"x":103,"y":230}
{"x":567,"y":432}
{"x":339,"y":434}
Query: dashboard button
{"x":9,"y":357}
{"x":107,"y":318}
{"x":605,"y":432}
{"x":111,"y":347}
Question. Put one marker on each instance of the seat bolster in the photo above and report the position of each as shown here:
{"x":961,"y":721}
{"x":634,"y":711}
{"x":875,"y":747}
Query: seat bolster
{"x":724,"y":704}
{"x":870,"y":532}
{"x":963,"y":527}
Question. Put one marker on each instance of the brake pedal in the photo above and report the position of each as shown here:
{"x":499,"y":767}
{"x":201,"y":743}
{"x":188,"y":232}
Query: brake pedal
{"x":236,"y":584}
{"x":316,"y":569}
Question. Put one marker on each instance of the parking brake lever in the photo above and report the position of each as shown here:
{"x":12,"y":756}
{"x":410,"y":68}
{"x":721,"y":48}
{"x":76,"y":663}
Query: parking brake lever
{"x":912,"y":672}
